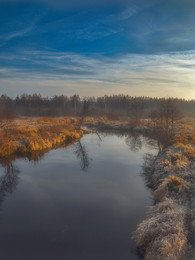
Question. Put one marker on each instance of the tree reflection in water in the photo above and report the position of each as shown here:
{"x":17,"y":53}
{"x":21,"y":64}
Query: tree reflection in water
{"x":82,"y":155}
{"x":134,"y":142}
{"x":9,"y":179}
{"x":99,"y":136}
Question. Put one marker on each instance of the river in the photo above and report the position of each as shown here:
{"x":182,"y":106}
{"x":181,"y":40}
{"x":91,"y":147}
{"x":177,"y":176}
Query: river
{"x":82,"y":202}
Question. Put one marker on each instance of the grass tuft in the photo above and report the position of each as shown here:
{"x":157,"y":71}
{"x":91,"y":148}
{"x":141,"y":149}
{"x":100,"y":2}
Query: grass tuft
{"x":170,"y":187}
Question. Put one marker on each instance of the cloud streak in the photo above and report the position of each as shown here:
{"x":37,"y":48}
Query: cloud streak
{"x":5,"y":38}
{"x":165,"y":75}
{"x":112,"y":46}
{"x":19,"y":33}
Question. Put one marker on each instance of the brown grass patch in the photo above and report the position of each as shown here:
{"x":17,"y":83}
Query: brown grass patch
{"x":35,"y":134}
{"x":170,"y":187}
{"x":162,"y":235}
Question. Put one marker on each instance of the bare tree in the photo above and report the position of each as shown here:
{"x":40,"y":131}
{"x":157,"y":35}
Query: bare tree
{"x":164,"y":121}
{"x":75,"y":99}
{"x":84,"y":112}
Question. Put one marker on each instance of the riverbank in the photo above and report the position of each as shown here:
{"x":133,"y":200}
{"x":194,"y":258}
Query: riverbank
{"x":141,"y":126}
{"x":25,"y":135}
{"x":103,"y":123}
{"x":168,"y":232}
{"x":169,"y":229}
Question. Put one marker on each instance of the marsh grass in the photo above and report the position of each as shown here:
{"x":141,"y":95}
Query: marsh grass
{"x":163,"y":234}
{"x":171,"y":187}
{"x":35,"y":134}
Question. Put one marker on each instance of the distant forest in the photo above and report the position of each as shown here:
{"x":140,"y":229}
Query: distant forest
{"x":112,"y":106}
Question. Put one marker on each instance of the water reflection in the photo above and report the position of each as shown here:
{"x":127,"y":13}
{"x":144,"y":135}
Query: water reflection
{"x":147,"y":169}
{"x":99,"y":136}
{"x":132,"y":139}
{"x":134,"y":142}
{"x":63,"y":214}
{"x":9,"y":178}
{"x":82,"y":155}
{"x":36,"y":156}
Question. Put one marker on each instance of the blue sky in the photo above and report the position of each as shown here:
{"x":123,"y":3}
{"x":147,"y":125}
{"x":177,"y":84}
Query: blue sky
{"x":135,"y":47}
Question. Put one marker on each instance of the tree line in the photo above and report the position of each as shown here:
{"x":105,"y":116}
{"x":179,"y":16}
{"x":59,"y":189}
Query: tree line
{"x":112,"y":106}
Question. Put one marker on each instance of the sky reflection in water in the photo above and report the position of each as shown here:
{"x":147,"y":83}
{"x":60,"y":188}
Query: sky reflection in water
{"x":56,"y":209}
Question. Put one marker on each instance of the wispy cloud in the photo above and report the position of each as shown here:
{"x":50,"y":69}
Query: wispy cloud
{"x":28,"y":27}
{"x":155,"y":75}
{"x":112,"y":46}
{"x":5,"y":38}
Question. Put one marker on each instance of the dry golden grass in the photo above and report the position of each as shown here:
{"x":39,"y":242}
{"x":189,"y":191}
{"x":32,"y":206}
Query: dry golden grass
{"x":106,"y":120}
{"x":185,"y":131}
{"x":171,"y":186}
{"x":180,"y":160}
{"x":166,"y":163}
{"x":185,"y":138}
{"x":181,"y":137}
{"x":189,"y":149}
{"x":163,"y":235}
{"x":35,"y":134}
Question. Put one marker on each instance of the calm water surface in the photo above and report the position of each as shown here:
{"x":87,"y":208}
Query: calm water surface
{"x":81,"y":202}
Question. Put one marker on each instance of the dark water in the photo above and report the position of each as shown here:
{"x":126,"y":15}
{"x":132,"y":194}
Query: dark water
{"x":78,"y":203}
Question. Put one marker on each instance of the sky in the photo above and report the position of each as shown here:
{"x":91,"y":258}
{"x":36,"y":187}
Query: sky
{"x":98,"y":47}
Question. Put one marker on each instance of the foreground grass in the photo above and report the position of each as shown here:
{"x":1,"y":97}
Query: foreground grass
{"x":168,"y":232}
{"x":25,"y":135}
